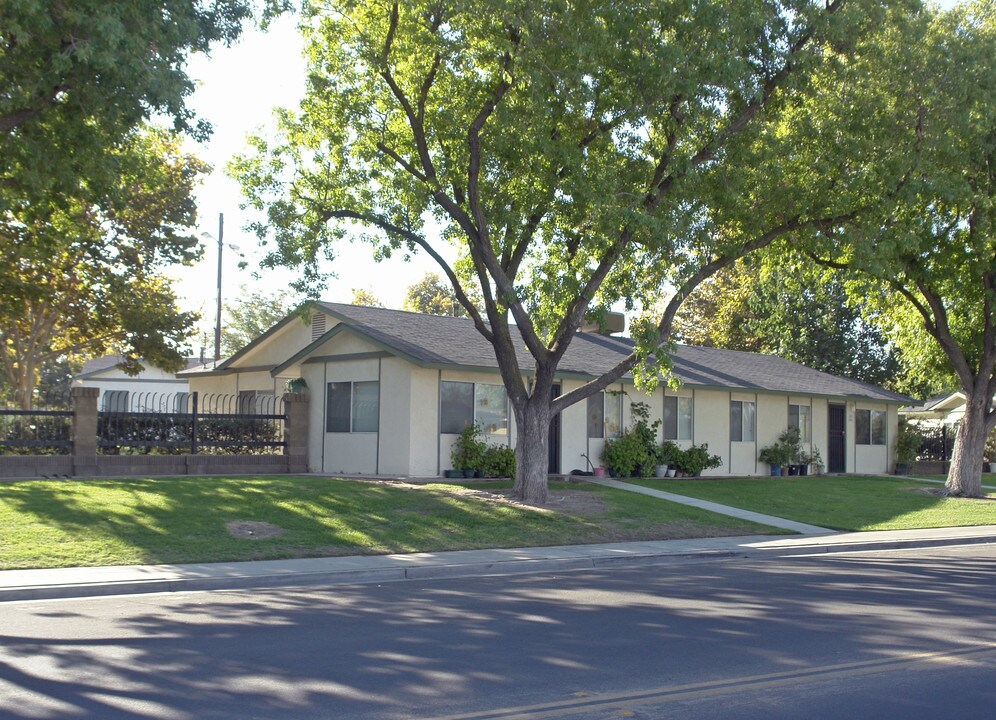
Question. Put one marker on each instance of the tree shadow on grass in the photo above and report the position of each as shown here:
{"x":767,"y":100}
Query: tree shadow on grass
{"x":182,"y":520}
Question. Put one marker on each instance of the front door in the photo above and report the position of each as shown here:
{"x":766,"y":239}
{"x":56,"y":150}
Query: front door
{"x":554,"y":444}
{"x":836,"y":445}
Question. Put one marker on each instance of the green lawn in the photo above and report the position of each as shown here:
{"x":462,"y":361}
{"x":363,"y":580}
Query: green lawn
{"x":53,"y":523}
{"x":839,"y":502}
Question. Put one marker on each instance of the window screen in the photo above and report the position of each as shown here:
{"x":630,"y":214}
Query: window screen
{"x":338,"y":407}
{"x":677,"y":418}
{"x":456,"y":406}
{"x":491,"y":409}
{"x":742,"y":421}
{"x":800,"y":416}
{"x":366,"y":406}
{"x":596,"y":415}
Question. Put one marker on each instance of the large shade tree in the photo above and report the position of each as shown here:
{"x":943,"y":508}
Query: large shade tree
{"x":928,"y":263}
{"x":80,"y":276}
{"x":581,"y":154}
{"x":792,"y":308}
{"x":78,"y":75}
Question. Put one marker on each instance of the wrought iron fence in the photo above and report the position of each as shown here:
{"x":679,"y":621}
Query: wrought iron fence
{"x":938,"y":441}
{"x":181,"y":423}
{"x":43,"y":430}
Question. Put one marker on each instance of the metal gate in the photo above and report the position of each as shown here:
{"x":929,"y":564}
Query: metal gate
{"x":836,"y":440}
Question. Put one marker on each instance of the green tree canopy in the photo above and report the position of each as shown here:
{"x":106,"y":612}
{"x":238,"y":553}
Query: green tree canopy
{"x":78,"y":75}
{"x":253,"y":314}
{"x":581,"y":155}
{"x":927,"y":263}
{"x":796,"y":310}
{"x":432,"y":296}
{"x":365,"y":296}
{"x":78,"y":276}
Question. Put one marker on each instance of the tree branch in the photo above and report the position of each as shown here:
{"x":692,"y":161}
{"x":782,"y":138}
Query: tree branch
{"x":683,"y":291}
{"x":390,"y":227}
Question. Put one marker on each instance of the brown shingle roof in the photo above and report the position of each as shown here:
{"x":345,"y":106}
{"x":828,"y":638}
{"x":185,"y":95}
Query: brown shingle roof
{"x":440,"y":340}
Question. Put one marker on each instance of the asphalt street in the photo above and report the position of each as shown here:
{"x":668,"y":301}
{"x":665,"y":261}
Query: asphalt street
{"x":908,"y":634}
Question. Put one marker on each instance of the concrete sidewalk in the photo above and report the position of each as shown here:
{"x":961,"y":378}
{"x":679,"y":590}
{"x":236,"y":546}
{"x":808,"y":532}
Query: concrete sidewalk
{"x":771,"y":520}
{"x":85,"y":582}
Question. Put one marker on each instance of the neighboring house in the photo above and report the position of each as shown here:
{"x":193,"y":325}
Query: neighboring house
{"x":390,"y":390}
{"x":941,"y":410}
{"x":120,"y":391}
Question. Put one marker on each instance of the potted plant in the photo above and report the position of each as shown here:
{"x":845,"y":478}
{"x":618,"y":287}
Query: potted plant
{"x":777,"y":456}
{"x":791,"y":440}
{"x":297,"y":385}
{"x":634,"y":454}
{"x":697,"y":458}
{"x":468,"y":451}
{"x":908,"y":442}
{"x":666,"y":454}
{"x":814,"y":460}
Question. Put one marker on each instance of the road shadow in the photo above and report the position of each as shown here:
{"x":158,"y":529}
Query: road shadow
{"x":393,"y":651}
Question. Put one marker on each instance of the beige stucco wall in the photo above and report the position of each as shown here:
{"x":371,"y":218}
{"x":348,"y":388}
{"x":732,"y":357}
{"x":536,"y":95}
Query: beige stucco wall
{"x":350,"y":452}
{"x":821,"y":427}
{"x":236,"y":382}
{"x":396,"y":419}
{"x":711,"y":423}
{"x":293,"y":337}
{"x":574,"y":441}
{"x":425,"y":460}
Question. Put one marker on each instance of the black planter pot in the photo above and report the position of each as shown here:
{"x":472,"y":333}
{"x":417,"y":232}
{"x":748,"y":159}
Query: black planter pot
{"x":804,"y":469}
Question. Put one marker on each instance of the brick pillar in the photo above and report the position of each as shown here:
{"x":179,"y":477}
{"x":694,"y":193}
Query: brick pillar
{"x":84,"y":401}
{"x":296,"y":432}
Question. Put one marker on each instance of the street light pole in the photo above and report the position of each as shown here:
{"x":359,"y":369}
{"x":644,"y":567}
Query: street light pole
{"x":217,"y":324}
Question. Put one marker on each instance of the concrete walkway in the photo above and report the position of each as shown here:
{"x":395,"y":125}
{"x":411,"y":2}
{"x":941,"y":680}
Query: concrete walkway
{"x":771,"y":520}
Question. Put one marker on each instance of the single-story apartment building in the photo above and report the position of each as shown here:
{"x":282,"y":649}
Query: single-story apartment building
{"x":390,"y":391}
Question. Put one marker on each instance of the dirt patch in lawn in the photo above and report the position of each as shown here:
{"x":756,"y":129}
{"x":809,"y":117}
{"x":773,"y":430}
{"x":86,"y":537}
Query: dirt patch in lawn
{"x":568,"y":502}
{"x":943,"y":492}
{"x":253,"y":530}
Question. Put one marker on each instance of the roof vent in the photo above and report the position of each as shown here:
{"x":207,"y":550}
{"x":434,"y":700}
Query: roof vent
{"x":612,"y":323}
{"x":317,"y":325}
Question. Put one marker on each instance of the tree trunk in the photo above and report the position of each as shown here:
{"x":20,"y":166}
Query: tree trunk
{"x":532,"y":441}
{"x":965,"y":474}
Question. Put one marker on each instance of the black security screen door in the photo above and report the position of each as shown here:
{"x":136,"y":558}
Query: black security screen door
{"x":837,"y":460}
{"x":555,"y":436}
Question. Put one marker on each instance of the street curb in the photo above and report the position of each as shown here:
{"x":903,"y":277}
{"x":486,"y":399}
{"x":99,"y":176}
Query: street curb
{"x":457,"y":570}
{"x":860,"y":546}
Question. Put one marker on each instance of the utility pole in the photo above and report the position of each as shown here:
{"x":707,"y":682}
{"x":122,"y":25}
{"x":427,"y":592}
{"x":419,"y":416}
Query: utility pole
{"x":217,"y":324}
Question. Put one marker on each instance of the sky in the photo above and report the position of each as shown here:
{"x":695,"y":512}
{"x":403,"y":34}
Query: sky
{"x":238,"y":87}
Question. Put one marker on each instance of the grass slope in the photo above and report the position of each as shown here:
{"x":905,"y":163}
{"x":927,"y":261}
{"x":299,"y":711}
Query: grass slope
{"x":839,"y":502}
{"x":51,"y":523}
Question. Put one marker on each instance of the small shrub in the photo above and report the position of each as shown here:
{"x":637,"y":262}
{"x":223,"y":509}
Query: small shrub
{"x":468,"y":451}
{"x":668,"y":453}
{"x":498,"y":461}
{"x":636,"y":452}
{"x":908,"y":442}
{"x":697,"y":458}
